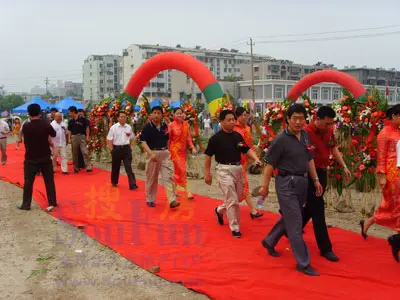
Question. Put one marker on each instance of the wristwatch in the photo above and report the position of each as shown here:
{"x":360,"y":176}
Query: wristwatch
{"x":316,"y":179}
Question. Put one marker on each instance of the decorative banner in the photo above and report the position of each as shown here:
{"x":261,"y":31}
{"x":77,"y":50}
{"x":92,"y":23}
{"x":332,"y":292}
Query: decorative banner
{"x":181,"y":62}
{"x":334,"y":76}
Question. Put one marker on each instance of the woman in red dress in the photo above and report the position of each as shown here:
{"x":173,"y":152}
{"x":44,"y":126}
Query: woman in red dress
{"x":179,"y":141}
{"x":388,"y":213}
{"x":245,"y":132}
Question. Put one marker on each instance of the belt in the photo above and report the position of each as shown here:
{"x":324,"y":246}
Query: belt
{"x":120,"y":146}
{"x":283,"y":173}
{"x":78,"y":134}
{"x":231,"y":164}
{"x":160,"y":149}
{"x":3,"y":137}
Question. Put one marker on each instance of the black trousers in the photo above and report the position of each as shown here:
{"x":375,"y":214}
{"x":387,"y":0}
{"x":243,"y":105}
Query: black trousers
{"x":122,"y":153}
{"x":315,"y":210}
{"x":31,"y":167}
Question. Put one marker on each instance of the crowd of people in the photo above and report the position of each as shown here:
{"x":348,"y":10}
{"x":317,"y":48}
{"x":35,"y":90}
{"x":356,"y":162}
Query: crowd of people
{"x":298,"y":158}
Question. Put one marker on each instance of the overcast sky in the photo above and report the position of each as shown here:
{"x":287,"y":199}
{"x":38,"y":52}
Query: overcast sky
{"x":42,"y":38}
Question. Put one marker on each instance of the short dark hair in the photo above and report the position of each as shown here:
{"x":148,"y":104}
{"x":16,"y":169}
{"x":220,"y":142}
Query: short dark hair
{"x":326,"y":112}
{"x":296,"y":108}
{"x":177,"y":108}
{"x":73,"y":109}
{"x":34,"y":110}
{"x":53,"y":109}
{"x":157,"y":108}
{"x":240,"y":111}
{"x":395,"y":110}
{"x":121,"y":112}
{"x":224,"y":113}
{"x":80,"y":110}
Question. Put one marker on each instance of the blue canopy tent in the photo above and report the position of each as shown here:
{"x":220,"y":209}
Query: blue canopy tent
{"x":137,"y":108}
{"x":66,"y":103}
{"x":156,"y":102}
{"x":175,"y":104}
{"x":23,"y":109}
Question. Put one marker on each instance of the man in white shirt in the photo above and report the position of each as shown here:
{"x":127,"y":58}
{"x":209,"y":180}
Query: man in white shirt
{"x":60,"y":143}
{"x":4,"y":130}
{"x":207,"y":126}
{"x":119,"y":142}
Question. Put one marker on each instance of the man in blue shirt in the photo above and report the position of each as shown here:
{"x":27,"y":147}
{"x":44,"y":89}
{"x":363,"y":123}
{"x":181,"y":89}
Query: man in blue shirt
{"x":154,"y":139}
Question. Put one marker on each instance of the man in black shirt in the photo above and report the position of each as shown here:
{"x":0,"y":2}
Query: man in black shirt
{"x":154,"y":139}
{"x":79,"y":136}
{"x":290,"y":154}
{"x":227,"y":146}
{"x":37,"y":157}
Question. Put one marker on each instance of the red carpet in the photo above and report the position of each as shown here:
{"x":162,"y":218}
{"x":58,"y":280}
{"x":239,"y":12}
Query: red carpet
{"x":191,"y":248}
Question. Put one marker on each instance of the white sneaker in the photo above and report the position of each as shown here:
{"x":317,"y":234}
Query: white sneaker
{"x":50,"y":208}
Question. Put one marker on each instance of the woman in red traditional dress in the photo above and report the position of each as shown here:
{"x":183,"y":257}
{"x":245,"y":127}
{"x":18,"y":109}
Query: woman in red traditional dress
{"x":244,"y":130}
{"x":388,"y":213}
{"x":179,"y":141}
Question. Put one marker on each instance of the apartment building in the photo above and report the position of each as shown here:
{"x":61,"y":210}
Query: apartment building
{"x":224,"y":64}
{"x":101,"y":77}
{"x":270,"y":90}
{"x":376,"y":77}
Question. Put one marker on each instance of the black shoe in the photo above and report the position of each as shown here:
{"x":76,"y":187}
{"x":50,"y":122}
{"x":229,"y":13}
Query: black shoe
{"x":310,"y":271}
{"x":394,"y":242}
{"x":114,"y":184}
{"x":236,"y":234}
{"x":20,"y":207}
{"x":256,"y":215}
{"x":271,"y":250}
{"x":89,"y":170}
{"x":151,"y":204}
{"x":330,"y":256}
{"x":174,"y":204}
{"x":133,"y":187}
{"x":76,"y":171}
{"x":220,"y":218}
{"x":65,"y":173}
{"x":363,"y":234}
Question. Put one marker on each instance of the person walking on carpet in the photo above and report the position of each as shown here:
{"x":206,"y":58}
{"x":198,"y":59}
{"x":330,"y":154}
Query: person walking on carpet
{"x":227,"y":145}
{"x":244,"y":131}
{"x":290,"y":154}
{"x":79,"y":136}
{"x":119,"y":140}
{"x":388,"y":213}
{"x":179,"y":141}
{"x":60,"y":143}
{"x":154,"y":140}
{"x":4,"y":130}
{"x":36,"y":135}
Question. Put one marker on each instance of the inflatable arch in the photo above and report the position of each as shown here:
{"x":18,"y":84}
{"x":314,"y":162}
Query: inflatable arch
{"x":334,"y":76}
{"x":181,"y":62}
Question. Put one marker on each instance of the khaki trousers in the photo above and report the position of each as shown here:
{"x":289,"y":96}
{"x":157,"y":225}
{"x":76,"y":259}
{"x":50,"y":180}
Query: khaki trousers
{"x":164,"y":167}
{"x":62,"y":153}
{"x":231,"y":182}
{"x":79,"y":142}
{"x":3,"y":149}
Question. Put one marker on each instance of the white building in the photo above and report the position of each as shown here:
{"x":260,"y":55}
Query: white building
{"x":225,"y":64}
{"x":271,"y":90}
{"x":101,"y":77}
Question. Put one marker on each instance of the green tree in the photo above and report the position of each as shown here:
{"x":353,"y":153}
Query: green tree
{"x":10,"y":101}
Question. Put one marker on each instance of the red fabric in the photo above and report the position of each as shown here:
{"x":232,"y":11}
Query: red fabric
{"x":323,"y":143}
{"x":190,"y":247}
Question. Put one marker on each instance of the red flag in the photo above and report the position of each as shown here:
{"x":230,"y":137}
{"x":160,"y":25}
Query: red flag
{"x":387,"y":91}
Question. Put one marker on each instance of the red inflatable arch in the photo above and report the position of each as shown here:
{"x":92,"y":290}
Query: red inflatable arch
{"x":334,"y":76}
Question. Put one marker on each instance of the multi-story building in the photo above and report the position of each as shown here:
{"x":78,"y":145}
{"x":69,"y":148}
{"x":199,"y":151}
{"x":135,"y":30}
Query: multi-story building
{"x":73,"y":89}
{"x":270,"y":90}
{"x":378,"y":76}
{"x":224,"y":64}
{"x":101,"y":77}
{"x":283,"y":69}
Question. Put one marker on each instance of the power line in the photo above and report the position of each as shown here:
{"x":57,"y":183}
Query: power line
{"x":332,"y":38}
{"x":328,"y":32}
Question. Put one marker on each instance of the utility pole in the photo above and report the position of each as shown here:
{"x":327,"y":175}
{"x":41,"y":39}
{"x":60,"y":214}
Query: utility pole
{"x":46,"y":81}
{"x":2,"y":90}
{"x":253,"y":91}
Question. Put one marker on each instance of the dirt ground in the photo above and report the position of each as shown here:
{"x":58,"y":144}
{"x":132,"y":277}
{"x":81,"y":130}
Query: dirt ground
{"x":43,"y":258}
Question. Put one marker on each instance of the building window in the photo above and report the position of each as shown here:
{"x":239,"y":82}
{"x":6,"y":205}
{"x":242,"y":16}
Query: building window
{"x":90,"y":74}
{"x":315,"y":94}
{"x":335,"y":94}
{"x":160,"y":75}
{"x":90,"y":66}
{"x":325,"y":94}
{"x":278,"y":92}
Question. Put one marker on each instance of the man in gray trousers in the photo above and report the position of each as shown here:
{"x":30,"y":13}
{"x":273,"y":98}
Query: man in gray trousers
{"x":290,"y":153}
